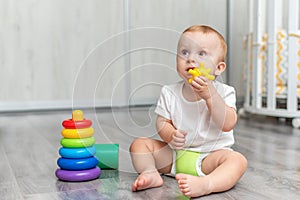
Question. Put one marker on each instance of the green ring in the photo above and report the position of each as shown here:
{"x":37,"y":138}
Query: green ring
{"x":77,"y":143}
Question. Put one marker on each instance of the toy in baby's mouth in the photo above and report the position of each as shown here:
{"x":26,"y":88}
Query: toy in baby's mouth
{"x":201,"y":71}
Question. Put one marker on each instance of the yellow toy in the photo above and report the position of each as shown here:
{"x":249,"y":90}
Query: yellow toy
{"x":201,"y":71}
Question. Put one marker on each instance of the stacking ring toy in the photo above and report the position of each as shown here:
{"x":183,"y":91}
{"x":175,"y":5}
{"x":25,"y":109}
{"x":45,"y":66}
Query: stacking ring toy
{"x":77,"y":143}
{"x":77,"y":121}
{"x":81,"y":175}
{"x":77,"y":152}
{"x":77,"y":164}
{"x":77,"y":133}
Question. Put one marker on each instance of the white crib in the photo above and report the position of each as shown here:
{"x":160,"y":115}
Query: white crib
{"x":273,"y":62}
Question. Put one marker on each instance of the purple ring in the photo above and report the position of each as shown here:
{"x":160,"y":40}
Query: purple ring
{"x":80,"y":175}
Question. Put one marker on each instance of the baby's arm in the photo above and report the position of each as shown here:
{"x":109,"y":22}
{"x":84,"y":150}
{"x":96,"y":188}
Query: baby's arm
{"x":169,"y":134}
{"x":224,"y":116}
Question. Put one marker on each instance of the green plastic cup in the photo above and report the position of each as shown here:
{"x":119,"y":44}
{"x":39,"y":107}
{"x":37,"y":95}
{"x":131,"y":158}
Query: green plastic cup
{"x":107,"y":155}
{"x":186,"y":162}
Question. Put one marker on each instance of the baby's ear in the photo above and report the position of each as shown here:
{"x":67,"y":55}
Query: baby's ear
{"x":220,"y":68}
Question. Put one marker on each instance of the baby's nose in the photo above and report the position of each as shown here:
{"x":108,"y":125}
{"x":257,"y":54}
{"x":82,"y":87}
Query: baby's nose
{"x":192,"y":58}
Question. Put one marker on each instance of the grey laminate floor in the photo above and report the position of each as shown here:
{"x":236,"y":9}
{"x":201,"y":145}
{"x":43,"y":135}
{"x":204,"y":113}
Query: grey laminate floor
{"x":29,"y":144}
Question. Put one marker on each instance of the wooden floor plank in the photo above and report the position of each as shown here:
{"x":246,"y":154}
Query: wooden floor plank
{"x":9,"y":188}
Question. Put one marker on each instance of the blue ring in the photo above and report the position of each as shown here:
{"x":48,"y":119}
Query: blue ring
{"x":77,"y":152}
{"x":77,"y":164}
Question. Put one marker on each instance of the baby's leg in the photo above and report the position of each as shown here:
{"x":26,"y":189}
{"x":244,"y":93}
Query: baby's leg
{"x":223,"y":168}
{"x":149,"y":158}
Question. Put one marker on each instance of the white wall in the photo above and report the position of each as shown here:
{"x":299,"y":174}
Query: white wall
{"x":156,"y":66}
{"x":43,"y":43}
{"x":56,"y":54}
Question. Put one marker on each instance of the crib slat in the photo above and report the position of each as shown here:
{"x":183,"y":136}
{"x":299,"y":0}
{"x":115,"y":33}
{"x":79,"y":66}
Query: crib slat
{"x":293,"y":22}
{"x":249,"y":66}
{"x":257,"y":37}
{"x":249,"y":70}
{"x":273,"y":16}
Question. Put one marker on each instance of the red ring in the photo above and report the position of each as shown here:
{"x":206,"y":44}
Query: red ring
{"x":70,"y":124}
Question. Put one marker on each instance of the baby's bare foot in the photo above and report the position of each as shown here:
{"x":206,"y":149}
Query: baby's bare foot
{"x":193,"y":186}
{"x":147,"y":180}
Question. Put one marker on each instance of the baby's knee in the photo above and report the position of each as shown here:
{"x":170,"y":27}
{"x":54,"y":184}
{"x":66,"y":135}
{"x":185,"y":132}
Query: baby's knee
{"x":138,"y":143}
{"x":241,"y":159}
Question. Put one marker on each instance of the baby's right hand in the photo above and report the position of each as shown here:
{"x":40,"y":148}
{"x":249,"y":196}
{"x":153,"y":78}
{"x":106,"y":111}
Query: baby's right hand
{"x":178,"y":139}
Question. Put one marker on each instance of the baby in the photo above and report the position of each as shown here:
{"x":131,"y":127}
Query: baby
{"x":195,"y":119}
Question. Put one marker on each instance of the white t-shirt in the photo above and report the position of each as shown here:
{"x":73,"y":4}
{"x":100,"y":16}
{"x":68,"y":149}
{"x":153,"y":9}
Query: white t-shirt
{"x":194,"y":117}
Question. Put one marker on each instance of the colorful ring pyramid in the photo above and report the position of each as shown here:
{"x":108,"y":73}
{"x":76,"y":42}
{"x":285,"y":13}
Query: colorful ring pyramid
{"x":77,"y":161}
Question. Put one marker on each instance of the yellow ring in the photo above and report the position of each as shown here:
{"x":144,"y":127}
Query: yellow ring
{"x":77,"y":133}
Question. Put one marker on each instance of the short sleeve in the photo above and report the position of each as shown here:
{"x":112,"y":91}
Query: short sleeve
{"x":230,"y":97}
{"x":163,"y":107}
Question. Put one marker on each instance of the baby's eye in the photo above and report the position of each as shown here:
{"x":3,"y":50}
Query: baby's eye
{"x":202,"y":53}
{"x":184,"y":52}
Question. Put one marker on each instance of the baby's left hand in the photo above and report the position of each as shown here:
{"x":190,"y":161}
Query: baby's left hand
{"x":203,"y":87}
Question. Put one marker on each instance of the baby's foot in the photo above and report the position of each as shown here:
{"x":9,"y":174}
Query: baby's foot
{"x":147,"y":180}
{"x":193,"y":186}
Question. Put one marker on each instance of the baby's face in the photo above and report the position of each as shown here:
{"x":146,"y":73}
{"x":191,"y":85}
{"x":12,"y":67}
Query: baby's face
{"x":196,"y":47}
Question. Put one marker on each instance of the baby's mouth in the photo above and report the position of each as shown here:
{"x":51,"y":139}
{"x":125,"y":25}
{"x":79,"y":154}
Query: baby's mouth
{"x":190,"y":67}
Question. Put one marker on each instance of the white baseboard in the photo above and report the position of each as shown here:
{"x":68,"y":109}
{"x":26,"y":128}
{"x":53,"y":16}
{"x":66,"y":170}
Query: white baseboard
{"x":64,"y":104}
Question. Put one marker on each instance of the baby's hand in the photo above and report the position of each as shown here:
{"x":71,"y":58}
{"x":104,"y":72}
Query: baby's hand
{"x":178,"y":139}
{"x":203,"y":87}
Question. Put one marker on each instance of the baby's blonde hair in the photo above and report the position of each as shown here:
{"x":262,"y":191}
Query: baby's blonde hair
{"x":208,"y":30}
